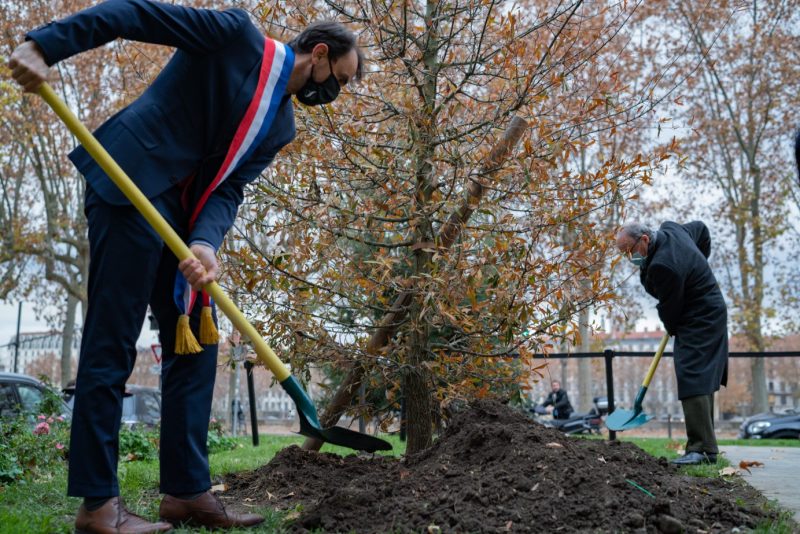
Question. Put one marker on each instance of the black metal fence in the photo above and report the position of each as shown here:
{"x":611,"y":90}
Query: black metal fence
{"x":609,"y":355}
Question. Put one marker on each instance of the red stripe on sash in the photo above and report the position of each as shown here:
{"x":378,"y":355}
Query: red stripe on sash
{"x":244,"y":126}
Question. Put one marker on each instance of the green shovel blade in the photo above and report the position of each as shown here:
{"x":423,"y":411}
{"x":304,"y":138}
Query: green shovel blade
{"x":336,"y":435}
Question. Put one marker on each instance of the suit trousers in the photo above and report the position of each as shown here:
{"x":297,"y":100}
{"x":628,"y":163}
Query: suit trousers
{"x":698,"y":413}
{"x":130,"y":267}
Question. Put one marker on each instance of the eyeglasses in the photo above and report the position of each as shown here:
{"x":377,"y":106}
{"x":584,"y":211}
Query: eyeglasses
{"x":629,"y":253}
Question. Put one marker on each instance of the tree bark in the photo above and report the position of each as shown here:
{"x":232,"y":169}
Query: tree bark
{"x":584,"y":365}
{"x":67,"y":338}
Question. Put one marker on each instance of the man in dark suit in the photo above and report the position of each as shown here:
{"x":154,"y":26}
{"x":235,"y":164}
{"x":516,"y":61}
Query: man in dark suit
{"x":557,"y":402}
{"x":673,"y":263}
{"x":208,"y":125}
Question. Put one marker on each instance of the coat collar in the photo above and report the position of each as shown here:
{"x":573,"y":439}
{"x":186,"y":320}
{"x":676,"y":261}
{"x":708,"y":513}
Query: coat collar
{"x":652,"y":246}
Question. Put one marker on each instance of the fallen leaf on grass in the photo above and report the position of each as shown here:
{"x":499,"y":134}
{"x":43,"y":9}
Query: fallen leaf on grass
{"x":434,"y":529}
{"x":728,"y":471}
{"x":554,"y":445}
{"x":291,"y":516}
{"x":744,"y":464}
{"x":601,"y":459}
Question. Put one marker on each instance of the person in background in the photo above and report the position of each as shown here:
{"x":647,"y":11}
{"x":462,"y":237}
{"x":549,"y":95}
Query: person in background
{"x":557,"y":402}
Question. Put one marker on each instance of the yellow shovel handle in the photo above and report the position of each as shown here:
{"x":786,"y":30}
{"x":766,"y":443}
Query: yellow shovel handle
{"x":173,"y":241}
{"x":654,"y":364}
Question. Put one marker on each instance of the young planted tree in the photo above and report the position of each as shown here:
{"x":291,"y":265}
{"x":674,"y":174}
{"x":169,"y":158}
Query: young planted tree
{"x":344,"y":245}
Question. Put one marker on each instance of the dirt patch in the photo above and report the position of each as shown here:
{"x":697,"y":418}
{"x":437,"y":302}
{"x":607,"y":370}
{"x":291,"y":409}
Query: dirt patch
{"x":494,"y":470}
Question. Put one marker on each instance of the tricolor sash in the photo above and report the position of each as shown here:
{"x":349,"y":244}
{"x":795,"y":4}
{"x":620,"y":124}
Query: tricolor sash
{"x":276,"y":66}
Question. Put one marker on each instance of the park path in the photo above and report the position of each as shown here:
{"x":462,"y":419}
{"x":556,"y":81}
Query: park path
{"x":777,"y":479}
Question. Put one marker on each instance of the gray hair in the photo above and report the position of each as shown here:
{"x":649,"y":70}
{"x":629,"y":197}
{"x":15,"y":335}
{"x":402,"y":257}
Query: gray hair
{"x":635,"y":230}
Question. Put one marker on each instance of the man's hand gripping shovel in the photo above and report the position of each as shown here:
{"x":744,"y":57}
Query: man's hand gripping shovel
{"x":309,"y":422}
{"x":628,"y":419}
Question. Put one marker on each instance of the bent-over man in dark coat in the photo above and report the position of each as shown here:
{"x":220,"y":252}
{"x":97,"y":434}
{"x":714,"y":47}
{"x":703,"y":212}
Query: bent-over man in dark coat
{"x":673,"y":263}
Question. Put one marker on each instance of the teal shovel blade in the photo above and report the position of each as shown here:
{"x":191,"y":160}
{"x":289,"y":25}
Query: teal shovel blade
{"x":626,"y":419}
{"x":336,"y":435}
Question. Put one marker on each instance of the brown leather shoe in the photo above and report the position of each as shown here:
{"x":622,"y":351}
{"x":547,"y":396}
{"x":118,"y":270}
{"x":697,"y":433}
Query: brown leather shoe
{"x":205,"y":511}
{"x":114,"y":518}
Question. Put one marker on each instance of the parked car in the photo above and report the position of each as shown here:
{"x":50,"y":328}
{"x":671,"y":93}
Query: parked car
{"x":770,"y":425}
{"x":141,"y":405}
{"x":24,"y":394}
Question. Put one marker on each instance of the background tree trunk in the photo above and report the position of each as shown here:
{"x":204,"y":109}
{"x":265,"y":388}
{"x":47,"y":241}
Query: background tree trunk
{"x":67,"y":339}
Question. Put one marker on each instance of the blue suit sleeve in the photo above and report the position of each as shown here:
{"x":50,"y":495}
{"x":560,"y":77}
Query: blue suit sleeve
{"x":197,"y":31}
{"x":222,"y":205}
{"x":219,"y":212}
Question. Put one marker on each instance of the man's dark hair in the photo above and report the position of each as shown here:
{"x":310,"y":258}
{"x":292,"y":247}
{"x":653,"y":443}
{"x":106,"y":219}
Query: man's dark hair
{"x":339,"y":39}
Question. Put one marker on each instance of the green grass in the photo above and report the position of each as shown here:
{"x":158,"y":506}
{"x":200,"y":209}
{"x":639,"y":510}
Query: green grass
{"x":668,"y":448}
{"x":784,"y":524}
{"x":42,"y":507}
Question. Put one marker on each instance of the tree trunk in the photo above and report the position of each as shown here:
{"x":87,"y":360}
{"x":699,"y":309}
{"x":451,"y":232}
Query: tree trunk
{"x":418,"y":390}
{"x":584,"y":365}
{"x":759,"y":375}
{"x":67,"y":338}
{"x":758,"y":371}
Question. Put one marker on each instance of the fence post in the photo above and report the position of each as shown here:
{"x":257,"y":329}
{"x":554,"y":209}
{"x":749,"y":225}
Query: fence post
{"x":251,"y":395}
{"x":608,"y":355}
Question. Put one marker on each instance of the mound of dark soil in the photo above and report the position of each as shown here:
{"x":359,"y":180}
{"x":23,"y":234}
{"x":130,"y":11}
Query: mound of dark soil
{"x":494,"y":470}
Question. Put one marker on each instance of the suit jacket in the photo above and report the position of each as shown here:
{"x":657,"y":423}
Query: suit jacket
{"x":690,"y":304}
{"x":182,"y":125}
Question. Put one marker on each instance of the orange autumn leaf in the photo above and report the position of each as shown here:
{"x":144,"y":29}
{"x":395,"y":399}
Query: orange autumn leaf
{"x":744,"y":464}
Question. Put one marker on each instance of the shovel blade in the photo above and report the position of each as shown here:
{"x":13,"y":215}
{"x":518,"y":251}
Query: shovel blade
{"x":311,"y":427}
{"x":637,"y":421}
{"x":337,"y":435}
{"x":626,"y":419}
{"x":619,"y":418}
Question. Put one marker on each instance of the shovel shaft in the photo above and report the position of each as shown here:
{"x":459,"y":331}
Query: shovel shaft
{"x":654,"y":364}
{"x":154,"y":218}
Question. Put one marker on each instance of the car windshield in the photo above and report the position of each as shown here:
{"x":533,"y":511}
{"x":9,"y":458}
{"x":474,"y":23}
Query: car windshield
{"x":30,"y":397}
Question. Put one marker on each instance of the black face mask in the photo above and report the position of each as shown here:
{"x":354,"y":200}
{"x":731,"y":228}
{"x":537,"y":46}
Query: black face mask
{"x":316,"y":93}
